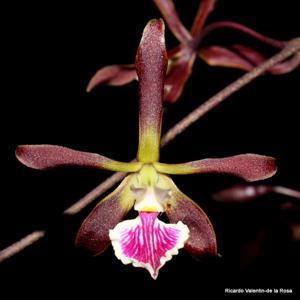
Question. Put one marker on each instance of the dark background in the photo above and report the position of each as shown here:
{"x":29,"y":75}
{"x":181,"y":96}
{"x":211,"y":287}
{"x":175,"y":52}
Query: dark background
{"x":49,"y":52}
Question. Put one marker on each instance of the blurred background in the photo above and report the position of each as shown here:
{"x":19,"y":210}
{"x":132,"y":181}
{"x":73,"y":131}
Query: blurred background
{"x":50,"y":51}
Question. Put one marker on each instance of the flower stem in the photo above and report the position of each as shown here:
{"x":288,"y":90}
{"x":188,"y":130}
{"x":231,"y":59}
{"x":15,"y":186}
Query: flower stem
{"x":291,"y":48}
{"x":287,"y":192}
{"x":93,"y":194}
{"x":21,"y":244}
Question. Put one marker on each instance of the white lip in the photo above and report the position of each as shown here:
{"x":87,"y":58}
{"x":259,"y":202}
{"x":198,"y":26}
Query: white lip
{"x":148,"y":201}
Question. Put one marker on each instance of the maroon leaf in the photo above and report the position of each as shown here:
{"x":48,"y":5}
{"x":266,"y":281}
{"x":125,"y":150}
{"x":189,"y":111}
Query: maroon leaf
{"x":44,"y":157}
{"x":114,"y":75}
{"x":202,"y":239}
{"x":93,"y":234}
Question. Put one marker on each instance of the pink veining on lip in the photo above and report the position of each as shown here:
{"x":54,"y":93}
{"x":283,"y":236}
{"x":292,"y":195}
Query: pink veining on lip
{"x":148,"y":242}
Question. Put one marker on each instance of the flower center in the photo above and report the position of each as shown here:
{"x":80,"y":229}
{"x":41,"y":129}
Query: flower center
{"x":150,"y":199}
{"x":149,"y":192}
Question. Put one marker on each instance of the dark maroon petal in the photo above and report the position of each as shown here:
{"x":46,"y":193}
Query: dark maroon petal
{"x":250,"y":54}
{"x":250,"y":167}
{"x":242,"y":193}
{"x":204,"y":9}
{"x":223,"y":57}
{"x":202,"y":240}
{"x":240,"y":27}
{"x":256,"y":58}
{"x":178,"y":73}
{"x":44,"y":157}
{"x":244,"y":58}
{"x":115,"y":75}
{"x":93,"y":234}
{"x":170,"y":15}
{"x":151,"y":64}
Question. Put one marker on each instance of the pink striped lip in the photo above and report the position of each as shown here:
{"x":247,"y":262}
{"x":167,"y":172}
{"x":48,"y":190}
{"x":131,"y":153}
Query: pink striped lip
{"x":148,"y":242}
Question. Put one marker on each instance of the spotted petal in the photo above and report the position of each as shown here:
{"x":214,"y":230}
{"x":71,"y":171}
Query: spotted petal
{"x":44,"y":157}
{"x":93,"y":234}
{"x":151,"y":64}
{"x":148,"y":242}
{"x":250,"y":167}
{"x":202,"y":239}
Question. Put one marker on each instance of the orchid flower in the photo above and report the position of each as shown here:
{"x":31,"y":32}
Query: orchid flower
{"x":181,"y":58}
{"x":146,"y":241}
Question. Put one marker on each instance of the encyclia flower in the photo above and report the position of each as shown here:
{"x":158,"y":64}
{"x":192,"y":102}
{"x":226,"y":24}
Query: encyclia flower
{"x":181,"y":58}
{"x":146,"y":241}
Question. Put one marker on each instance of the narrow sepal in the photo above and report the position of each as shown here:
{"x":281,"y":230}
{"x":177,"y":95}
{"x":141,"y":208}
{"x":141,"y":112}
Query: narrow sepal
{"x":93,"y":234}
{"x":179,"y":71}
{"x":171,"y":17}
{"x":242,"y":28}
{"x":44,"y":157}
{"x":204,"y":9}
{"x":250,"y":167}
{"x":151,"y":63}
{"x":224,"y":57}
{"x":114,"y":75}
{"x":257,"y":58}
